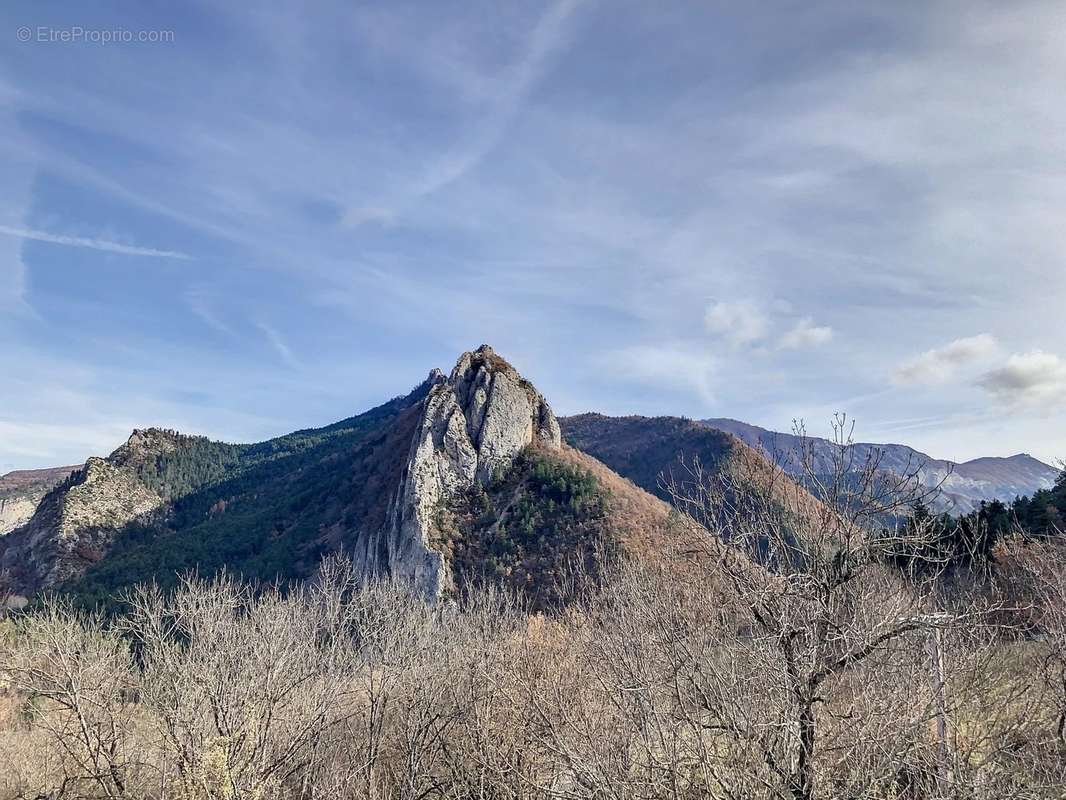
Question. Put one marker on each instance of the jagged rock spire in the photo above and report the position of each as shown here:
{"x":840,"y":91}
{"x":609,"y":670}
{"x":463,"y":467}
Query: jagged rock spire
{"x":472,"y":424}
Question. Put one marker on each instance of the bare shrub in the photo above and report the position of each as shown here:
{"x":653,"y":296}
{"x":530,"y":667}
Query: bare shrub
{"x":847,"y":650}
{"x":243,"y":685}
{"x":74,"y":680}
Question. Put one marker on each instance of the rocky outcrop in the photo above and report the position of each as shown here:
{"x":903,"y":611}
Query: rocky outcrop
{"x":14,"y":511}
{"x":74,"y":525}
{"x":472,"y":425}
{"x":22,"y":491}
{"x":145,"y":446}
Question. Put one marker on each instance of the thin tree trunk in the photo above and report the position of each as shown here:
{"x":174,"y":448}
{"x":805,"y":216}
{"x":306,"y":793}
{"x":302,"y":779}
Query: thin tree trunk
{"x":803,"y":774}
{"x":936,"y":664}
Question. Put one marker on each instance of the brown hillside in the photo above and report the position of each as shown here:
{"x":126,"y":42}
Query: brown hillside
{"x":29,"y":479}
{"x":639,"y":519}
{"x":657,"y":453}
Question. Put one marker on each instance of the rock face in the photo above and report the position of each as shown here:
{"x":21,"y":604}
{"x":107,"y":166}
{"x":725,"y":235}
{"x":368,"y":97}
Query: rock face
{"x":473,"y":424}
{"x":145,"y":446}
{"x":74,"y":525}
{"x":21,"y":492}
{"x":16,"y":510}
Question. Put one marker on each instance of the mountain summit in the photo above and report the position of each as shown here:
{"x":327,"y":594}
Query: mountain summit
{"x":464,"y":480}
{"x":391,"y":488}
{"x":471,"y":426}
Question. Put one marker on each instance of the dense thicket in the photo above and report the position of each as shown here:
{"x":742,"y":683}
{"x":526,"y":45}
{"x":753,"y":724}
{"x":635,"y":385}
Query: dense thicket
{"x":1044,"y":512}
{"x":768,"y":646}
{"x":653,"y":685}
{"x":646,"y":449}
{"x":528,"y":529}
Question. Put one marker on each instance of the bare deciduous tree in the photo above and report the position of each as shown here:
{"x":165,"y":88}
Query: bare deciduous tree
{"x":76,"y":677}
{"x":809,"y":575}
{"x":1042,"y":565}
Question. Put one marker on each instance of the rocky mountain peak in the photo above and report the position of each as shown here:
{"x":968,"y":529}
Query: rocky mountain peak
{"x":503,"y":411}
{"x":74,"y":527}
{"x":145,"y":444}
{"x":472,"y":426}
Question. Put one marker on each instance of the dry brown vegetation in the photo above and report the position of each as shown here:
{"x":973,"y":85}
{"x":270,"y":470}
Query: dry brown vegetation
{"x":785,"y":661}
{"x":639,"y":520}
{"x":650,"y":687}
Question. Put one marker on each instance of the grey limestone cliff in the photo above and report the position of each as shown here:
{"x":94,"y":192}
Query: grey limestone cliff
{"x":22,"y":491}
{"x":472,"y":424}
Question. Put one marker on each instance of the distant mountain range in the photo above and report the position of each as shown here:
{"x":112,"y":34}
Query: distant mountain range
{"x":466,"y":479}
{"x":962,"y":485}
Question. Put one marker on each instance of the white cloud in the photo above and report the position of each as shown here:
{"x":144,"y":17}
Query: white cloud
{"x":504,"y":100}
{"x":16,"y":176}
{"x":852,"y":178}
{"x":199,"y":301}
{"x":806,"y":334}
{"x":12,"y":281}
{"x":942,"y":363}
{"x":744,"y":323}
{"x":739,"y":322}
{"x":1032,"y":378}
{"x":40,"y":442}
{"x":92,"y":244}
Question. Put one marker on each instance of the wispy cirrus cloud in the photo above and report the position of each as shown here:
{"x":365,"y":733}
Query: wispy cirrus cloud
{"x":12,"y":281}
{"x":91,"y":243}
{"x":503,"y":100}
{"x":670,"y":366}
{"x":432,"y":161}
{"x":279,"y":345}
{"x":199,"y":300}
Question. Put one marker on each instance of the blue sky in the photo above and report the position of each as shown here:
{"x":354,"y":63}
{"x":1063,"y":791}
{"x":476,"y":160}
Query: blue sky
{"x":282,"y":217}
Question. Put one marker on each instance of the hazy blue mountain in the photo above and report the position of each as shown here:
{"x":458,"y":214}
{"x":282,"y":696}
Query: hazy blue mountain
{"x":963,"y":485}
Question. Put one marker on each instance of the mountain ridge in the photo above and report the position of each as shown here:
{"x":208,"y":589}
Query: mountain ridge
{"x":726,"y":423}
{"x":468,"y":476}
{"x":963,"y":485}
{"x":373,"y":486}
